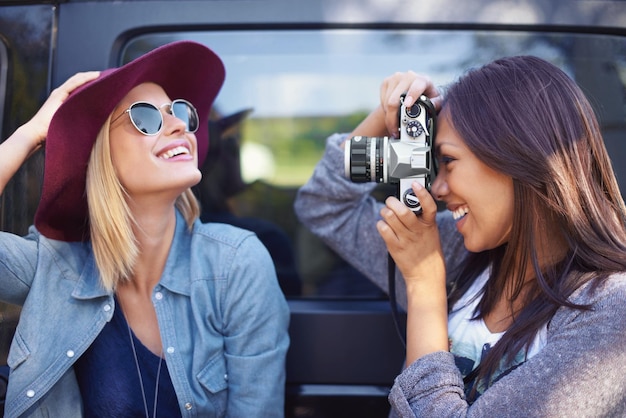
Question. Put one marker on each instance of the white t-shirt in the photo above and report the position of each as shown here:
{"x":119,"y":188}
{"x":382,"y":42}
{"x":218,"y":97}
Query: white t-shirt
{"x":470,"y":339}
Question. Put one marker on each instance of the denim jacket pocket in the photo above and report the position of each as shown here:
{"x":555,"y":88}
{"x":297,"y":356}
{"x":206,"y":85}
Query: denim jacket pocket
{"x":214,"y":378}
{"x":18,"y":352}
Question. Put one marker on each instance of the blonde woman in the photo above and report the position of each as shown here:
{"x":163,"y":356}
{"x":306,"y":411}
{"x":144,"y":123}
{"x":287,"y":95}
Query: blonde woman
{"x":131,"y":306}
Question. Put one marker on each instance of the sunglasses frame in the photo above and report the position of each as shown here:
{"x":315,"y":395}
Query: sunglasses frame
{"x":158,"y":110}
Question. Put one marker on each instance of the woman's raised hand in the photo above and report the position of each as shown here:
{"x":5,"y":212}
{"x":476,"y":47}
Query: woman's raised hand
{"x":413,"y":85}
{"x":37,"y":127}
{"x":413,"y":241}
{"x":31,"y":136}
{"x":383,"y":121}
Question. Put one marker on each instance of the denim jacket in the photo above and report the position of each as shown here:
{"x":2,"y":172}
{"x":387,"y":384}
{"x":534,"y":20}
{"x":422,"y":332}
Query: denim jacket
{"x":222,"y":316}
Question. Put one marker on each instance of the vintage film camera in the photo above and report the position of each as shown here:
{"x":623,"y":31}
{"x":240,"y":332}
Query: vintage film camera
{"x":401,"y":161}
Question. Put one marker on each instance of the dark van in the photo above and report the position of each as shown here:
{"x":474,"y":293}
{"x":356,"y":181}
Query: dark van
{"x":298,"y":71}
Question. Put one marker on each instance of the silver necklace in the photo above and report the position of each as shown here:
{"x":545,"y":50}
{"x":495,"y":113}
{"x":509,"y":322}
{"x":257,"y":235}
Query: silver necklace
{"x":156,"y":386}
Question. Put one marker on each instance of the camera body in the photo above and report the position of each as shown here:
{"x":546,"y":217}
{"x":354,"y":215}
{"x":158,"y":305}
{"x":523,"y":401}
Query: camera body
{"x":402,"y":161}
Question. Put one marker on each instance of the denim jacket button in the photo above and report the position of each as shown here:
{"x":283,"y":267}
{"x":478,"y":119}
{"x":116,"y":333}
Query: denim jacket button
{"x":158,"y":295}
{"x":30,"y":393}
{"x":188,"y":406}
{"x":226,"y":376}
{"x":70,"y":353}
{"x":170,"y":350}
{"x":107,"y":308}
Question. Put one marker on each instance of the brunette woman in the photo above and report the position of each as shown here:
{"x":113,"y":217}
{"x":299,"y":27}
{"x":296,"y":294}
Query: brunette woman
{"x":515,"y":294}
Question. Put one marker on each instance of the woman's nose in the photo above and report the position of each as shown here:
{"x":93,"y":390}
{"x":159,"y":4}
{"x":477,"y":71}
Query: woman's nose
{"x":172,"y":123}
{"x":439,"y":187}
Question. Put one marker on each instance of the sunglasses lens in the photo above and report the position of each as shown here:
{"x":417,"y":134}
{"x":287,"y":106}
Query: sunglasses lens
{"x":146,"y":118}
{"x":184,"y":111}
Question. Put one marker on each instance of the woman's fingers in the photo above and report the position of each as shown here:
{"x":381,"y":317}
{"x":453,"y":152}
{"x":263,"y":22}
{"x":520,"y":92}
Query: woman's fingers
{"x":411,"y":83}
{"x":41,"y":121}
{"x":410,"y":237}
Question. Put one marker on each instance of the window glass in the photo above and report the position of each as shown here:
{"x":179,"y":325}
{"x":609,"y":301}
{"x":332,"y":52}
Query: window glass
{"x":24,"y":58}
{"x":3,"y":80}
{"x":288,"y":90}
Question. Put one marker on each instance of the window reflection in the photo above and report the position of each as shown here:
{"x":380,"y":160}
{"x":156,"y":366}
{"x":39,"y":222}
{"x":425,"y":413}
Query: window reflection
{"x":299,"y":87}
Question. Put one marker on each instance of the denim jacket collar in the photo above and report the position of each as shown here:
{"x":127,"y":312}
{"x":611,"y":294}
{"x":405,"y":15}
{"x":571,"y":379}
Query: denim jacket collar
{"x":88,"y":285}
{"x":176,"y":276}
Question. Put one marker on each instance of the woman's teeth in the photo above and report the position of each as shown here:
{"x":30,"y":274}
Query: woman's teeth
{"x":459,"y":213}
{"x":173,"y":152}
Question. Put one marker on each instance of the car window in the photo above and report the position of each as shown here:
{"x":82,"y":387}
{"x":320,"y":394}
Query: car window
{"x":4,"y":63}
{"x":24,"y":45}
{"x":287,"y":90}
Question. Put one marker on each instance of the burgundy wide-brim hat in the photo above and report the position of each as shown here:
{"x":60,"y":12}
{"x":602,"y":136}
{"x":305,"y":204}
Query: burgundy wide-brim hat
{"x":185,"y":70}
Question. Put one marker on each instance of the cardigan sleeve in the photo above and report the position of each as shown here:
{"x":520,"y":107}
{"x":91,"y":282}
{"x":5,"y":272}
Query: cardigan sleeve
{"x":580,"y":372}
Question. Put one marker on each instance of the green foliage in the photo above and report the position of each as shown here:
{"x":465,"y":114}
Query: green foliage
{"x":296,"y":143}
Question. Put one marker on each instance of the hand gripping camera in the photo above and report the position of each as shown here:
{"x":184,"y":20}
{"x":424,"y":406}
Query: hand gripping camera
{"x":401,"y":161}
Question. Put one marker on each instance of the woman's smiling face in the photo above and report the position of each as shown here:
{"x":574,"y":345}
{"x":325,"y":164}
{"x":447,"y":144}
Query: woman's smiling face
{"x":157,"y":163}
{"x":480,"y":198}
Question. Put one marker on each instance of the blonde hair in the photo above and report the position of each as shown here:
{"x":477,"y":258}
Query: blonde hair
{"x":110,"y":218}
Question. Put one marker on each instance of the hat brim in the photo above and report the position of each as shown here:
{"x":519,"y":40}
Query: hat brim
{"x":184,"y":69}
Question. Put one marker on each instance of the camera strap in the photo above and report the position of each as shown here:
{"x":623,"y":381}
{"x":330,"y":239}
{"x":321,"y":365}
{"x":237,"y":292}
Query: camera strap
{"x":391,"y":272}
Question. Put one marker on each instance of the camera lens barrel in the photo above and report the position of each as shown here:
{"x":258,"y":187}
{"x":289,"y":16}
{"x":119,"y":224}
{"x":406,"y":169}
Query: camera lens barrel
{"x":365,"y":160}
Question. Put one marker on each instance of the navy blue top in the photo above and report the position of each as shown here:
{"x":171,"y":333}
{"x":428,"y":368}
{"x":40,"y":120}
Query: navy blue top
{"x":108,"y":379}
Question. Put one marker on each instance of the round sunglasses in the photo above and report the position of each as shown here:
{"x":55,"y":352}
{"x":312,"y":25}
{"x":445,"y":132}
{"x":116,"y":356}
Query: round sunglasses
{"x":148,"y":119}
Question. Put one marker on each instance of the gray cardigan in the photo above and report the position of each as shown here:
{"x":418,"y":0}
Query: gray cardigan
{"x":580,"y":372}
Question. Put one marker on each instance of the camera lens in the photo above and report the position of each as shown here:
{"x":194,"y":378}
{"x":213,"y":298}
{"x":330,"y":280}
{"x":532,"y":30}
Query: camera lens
{"x":364,"y":159}
{"x":414,"y":111}
{"x":357,"y":164}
